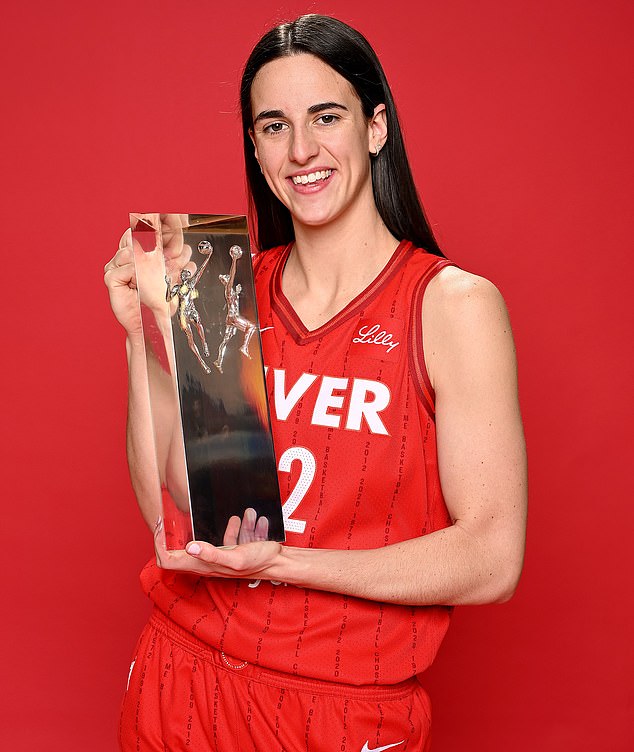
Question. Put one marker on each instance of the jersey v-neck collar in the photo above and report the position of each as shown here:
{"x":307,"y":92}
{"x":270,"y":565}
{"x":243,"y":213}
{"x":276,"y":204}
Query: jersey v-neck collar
{"x":293,"y":323}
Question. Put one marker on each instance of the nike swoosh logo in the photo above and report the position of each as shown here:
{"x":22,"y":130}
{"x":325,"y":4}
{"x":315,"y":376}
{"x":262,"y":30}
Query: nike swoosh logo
{"x":365,"y":747}
{"x":130,"y":675}
{"x":266,"y":328}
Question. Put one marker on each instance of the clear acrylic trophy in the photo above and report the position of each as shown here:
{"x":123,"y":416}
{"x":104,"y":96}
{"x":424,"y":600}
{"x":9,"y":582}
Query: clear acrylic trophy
{"x":210,"y":416}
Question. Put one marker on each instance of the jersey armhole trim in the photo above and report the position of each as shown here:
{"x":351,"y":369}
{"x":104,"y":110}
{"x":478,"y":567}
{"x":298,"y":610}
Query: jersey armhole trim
{"x":416,"y":354}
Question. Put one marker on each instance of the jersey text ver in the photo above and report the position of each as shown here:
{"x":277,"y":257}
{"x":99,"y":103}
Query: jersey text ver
{"x":338,"y":402}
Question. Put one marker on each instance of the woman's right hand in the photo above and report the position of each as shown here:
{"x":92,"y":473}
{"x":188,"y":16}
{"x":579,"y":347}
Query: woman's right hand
{"x":120,"y":279}
{"x":120,"y":272}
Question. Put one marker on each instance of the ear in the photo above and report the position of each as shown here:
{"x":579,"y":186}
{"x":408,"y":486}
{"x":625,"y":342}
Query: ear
{"x":377,"y":129}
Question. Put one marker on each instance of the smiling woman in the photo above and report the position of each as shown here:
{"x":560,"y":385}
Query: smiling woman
{"x":316,"y":126}
{"x":347,"y":53}
{"x":392,"y":385}
{"x":317,"y":129}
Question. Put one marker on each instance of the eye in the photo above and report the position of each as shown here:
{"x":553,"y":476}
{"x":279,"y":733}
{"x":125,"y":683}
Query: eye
{"x":327,"y":119}
{"x":274,"y":127}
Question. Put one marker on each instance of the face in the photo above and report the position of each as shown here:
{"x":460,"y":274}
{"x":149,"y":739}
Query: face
{"x":312,"y":139}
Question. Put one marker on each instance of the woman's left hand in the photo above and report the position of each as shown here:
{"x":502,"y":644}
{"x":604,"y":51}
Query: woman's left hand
{"x":246,"y":552}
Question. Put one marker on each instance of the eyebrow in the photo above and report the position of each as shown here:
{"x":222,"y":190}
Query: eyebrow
{"x":314,"y":108}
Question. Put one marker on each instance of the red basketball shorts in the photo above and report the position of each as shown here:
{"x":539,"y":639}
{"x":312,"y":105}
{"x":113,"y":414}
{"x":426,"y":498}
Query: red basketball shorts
{"x":184,"y":695}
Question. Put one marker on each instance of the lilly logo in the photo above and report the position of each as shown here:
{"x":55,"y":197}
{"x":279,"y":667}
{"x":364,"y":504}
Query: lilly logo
{"x":374,"y":335}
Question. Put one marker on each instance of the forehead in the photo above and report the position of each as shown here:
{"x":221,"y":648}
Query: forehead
{"x":296,"y":82}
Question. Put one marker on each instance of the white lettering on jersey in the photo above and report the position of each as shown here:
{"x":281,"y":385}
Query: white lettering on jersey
{"x":256,"y":583}
{"x":304,"y":481}
{"x":326,"y":400}
{"x":374,"y":335}
{"x":361,"y":408}
{"x":359,"y":399}
{"x":284,"y":403}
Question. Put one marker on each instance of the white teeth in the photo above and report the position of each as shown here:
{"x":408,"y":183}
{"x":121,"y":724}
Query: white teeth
{"x":312,"y":177}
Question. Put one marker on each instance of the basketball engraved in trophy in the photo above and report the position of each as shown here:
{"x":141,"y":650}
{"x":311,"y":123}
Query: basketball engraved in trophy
{"x":211,"y":429}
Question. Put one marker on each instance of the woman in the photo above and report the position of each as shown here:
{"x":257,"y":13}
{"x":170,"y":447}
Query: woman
{"x":391,"y":375}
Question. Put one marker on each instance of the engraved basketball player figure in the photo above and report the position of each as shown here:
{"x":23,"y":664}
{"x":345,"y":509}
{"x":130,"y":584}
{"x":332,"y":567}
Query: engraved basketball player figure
{"x":187,"y":294}
{"x":234,"y":321}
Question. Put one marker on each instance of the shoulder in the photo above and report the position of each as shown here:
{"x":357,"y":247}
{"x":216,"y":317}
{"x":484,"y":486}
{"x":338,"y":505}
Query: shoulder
{"x":465,"y":320}
{"x":456,"y":300}
{"x":452,"y":287}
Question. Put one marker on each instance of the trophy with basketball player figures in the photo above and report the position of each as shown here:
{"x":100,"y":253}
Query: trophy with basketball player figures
{"x":216,"y":469}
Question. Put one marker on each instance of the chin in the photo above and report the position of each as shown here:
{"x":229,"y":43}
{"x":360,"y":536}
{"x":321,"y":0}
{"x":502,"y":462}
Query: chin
{"x":314,"y":218}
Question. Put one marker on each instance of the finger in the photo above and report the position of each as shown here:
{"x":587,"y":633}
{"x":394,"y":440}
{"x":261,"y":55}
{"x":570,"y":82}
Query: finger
{"x":124,"y":254}
{"x":126,"y":239}
{"x":247,"y":560}
{"x":139,"y":231}
{"x":230,"y":537}
{"x":227,"y":561}
{"x":120,"y":270}
{"x":211,"y":560}
{"x":186,"y":255}
{"x":247,"y":529}
{"x":262,"y":529}
{"x":181,"y":560}
{"x":172,"y":232}
{"x":184,"y":561}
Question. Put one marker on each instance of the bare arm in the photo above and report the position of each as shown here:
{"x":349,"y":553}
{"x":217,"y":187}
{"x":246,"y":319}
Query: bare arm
{"x":119,"y":276}
{"x":142,"y":461}
{"x":120,"y":279}
{"x":478,"y":559}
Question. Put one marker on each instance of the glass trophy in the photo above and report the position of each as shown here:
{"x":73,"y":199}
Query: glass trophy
{"x":209,"y":409}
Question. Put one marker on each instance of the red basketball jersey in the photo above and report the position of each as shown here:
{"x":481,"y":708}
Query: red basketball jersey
{"x":353,"y":426}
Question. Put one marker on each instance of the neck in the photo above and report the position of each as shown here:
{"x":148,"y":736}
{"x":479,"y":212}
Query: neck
{"x":348,"y":247}
{"x":329,"y":266}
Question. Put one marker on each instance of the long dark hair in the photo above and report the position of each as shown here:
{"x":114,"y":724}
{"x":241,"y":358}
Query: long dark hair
{"x":349,"y":53}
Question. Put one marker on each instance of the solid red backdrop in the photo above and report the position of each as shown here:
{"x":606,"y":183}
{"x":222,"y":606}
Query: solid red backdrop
{"x":518,"y":119}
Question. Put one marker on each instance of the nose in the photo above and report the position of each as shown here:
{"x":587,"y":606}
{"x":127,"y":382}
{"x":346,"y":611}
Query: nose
{"x":303,"y":146}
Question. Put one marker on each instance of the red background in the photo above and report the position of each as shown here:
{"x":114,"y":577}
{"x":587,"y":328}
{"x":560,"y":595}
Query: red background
{"x":518,"y":118}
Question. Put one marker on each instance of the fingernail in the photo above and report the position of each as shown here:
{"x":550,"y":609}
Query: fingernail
{"x":194,"y":549}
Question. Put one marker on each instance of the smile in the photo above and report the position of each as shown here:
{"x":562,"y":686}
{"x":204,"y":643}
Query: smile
{"x":311,"y":177}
